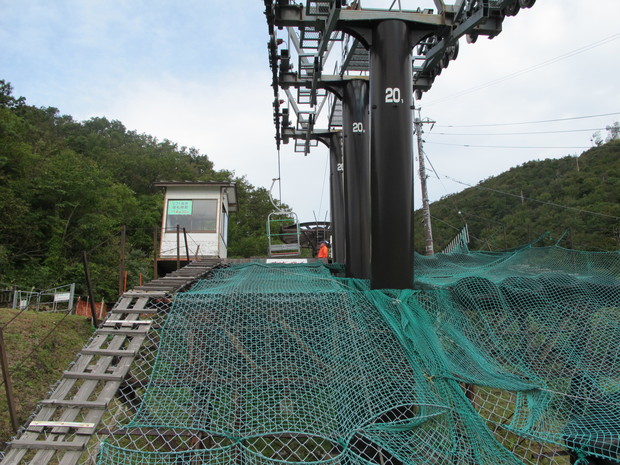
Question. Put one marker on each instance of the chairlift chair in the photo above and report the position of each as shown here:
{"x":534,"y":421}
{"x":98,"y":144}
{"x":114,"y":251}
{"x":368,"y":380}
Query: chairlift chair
{"x":283,"y":243}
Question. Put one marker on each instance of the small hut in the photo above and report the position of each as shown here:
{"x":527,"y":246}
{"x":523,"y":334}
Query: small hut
{"x":195,"y":221}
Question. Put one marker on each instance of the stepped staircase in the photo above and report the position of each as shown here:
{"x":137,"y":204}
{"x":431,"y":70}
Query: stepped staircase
{"x":67,"y":420}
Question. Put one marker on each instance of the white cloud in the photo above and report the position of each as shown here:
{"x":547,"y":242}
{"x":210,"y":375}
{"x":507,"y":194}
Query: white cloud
{"x":196,"y":73}
{"x":576,"y":86}
{"x":227,"y":119}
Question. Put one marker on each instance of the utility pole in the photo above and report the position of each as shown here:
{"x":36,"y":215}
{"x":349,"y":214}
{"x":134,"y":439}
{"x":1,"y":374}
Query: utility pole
{"x":426,"y":212}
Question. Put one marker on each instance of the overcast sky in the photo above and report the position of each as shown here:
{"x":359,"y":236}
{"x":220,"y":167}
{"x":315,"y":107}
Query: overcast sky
{"x":196,"y":72}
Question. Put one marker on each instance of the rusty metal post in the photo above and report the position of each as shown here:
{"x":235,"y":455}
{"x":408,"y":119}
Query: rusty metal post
{"x":155,"y":276}
{"x":89,"y":285}
{"x":186,"y":249}
{"x":10,"y":400}
{"x":121,"y":270}
{"x":178,"y":246}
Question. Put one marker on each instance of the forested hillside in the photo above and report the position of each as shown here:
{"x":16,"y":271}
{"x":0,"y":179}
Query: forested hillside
{"x":578,"y":194}
{"x":68,"y":187}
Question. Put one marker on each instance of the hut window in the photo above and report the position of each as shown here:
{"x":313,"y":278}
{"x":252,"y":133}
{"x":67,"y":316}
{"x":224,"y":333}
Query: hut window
{"x":195,"y":215}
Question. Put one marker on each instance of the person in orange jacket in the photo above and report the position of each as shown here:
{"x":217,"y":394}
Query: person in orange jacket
{"x":323,"y":250}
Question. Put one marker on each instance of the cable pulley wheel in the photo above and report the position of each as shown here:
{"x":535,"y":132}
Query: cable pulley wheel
{"x":513,"y":8}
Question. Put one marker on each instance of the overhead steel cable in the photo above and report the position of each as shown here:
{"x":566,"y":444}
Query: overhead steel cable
{"x":514,"y":133}
{"x":518,"y":196}
{"x":510,"y":146}
{"x":526,"y":70}
{"x":524,"y":122}
{"x":451,"y":198}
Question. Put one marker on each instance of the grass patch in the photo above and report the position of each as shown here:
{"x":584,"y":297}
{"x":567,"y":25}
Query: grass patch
{"x":33,"y":373}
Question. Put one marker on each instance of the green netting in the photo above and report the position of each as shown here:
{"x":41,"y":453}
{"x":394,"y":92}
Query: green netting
{"x":495,"y":358}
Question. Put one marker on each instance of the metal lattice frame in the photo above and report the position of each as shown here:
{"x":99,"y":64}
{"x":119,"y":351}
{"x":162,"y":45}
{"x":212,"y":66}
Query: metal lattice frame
{"x":312,"y":31}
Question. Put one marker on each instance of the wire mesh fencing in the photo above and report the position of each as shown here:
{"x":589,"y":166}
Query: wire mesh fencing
{"x":507,"y":358}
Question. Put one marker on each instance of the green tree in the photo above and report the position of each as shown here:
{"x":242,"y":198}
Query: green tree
{"x":577,"y":193}
{"x":67,"y":187}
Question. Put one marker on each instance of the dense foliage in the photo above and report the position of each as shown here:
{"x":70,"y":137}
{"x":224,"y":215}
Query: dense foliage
{"x":68,"y":187}
{"x":579,"y":196}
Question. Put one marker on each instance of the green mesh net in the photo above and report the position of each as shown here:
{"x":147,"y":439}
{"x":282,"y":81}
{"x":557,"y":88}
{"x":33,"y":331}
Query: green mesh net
{"x":494,"y":358}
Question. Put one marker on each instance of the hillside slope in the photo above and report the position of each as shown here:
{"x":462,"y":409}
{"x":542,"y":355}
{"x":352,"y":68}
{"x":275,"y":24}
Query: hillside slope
{"x":39,"y":347}
{"x":581,"y":193}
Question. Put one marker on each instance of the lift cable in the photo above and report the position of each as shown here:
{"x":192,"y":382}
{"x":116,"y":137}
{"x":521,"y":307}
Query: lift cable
{"x":323,"y":186}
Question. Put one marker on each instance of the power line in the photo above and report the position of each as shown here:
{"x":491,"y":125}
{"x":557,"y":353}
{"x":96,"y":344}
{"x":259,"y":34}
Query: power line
{"x":446,"y":223}
{"x":452,"y":200}
{"x":553,"y":204}
{"x":508,"y":146}
{"x":526,"y":122}
{"x":527,"y":70}
{"x":515,"y":133}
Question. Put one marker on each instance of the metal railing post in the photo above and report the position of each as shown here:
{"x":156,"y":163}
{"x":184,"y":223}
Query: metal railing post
{"x":7,"y":383}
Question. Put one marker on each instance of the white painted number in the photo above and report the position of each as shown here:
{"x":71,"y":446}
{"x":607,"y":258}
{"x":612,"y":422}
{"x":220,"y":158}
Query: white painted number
{"x":392,"y":95}
{"x":358,"y":127}
{"x":340,"y":167}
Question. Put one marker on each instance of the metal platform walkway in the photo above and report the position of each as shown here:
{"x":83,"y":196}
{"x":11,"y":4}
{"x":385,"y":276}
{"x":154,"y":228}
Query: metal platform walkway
{"x":66,"y":421}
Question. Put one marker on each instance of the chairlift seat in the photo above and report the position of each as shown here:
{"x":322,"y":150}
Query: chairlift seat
{"x":281,"y":241}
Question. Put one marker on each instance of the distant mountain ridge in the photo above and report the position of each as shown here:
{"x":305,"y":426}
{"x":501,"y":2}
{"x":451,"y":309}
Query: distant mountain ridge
{"x":578,"y":197}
